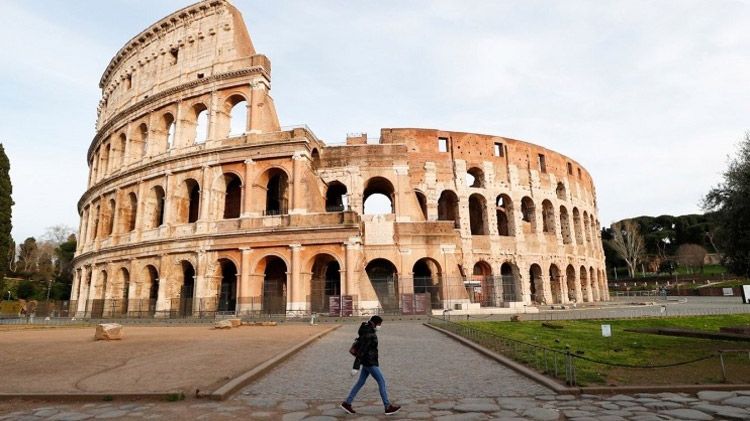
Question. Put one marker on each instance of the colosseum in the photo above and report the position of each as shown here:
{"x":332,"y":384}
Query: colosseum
{"x":199,"y":203}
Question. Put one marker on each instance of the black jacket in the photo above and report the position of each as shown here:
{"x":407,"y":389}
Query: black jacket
{"x":368,"y":346}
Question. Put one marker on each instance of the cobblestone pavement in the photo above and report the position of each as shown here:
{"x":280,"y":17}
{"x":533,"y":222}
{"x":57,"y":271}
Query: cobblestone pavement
{"x":431,"y":376}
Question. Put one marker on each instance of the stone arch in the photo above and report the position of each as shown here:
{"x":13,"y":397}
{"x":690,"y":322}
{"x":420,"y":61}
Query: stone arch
{"x":422,"y":201}
{"x":315,"y":158}
{"x":274,"y":284}
{"x":478,"y":214}
{"x":594,"y":284}
{"x":198,"y":124}
{"x":236,"y":108}
{"x":448,"y":207}
{"x":528,"y":214}
{"x":377,"y":191}
{"x":427,"y":275}
{"x":227,"y":294}
{"x":187,"y":288}
{"x":536,"y":284}
{"x":150,"y":280}
{"x":167,"y":131}
{"x":325,"y":281}
{"x":141,"y":146}
{"x":586,"y":226}
{"x":228,"y":186}
{"x":509,"y":277}
{"x":187,"y":202}
{"x":577,"y":226}
{"x":104,"y":168}
{"x":560,"y":191}
{"x":565,"y":226}
{"x":548,"y":217}
{"x":274,"y":183}
{"x":123,"y":295}
{"x":555,"y":283}
{"x":383,"y":276}
{"x":110,"y":216}
{"x":481,"y":286}
{"x":336,"y":197}
{"x":154,"y":214}
{"x":97,"y":215}
{"x":123,"y":149}
{"x":586,"y":293}
{"x":475,"y":177}
{"x":504,"y":212}
{"x":572,"y":283}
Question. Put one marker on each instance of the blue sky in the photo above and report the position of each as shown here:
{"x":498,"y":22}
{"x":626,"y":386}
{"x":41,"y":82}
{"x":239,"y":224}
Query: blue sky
{"x":649,"y":96}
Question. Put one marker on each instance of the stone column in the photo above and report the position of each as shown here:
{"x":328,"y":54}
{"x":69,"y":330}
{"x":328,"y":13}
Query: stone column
{"x":163,"y":302}
{"x":168,"y":201}
{"x":82,"y":293}
{"x":91,"y":292}
{"x":350,"y":286}
{"x":294,"y":287}
{"x":244,"y":302}
{"x":205,"y":196}
{"x":247,"y":188}
{"x":139,"y":219}
{"x":257,"y":96}
{"x":400,"y":195}
{"x":213,"y":116}
{"x":297,"y":205}
{"x":178,"y":126}
{"x":199,"y":288}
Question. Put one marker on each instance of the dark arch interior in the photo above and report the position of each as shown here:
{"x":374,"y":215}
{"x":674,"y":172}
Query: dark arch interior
{"x":422,"y":200}
{"x":427,"y":280}
{"x":274,"y":286}
{"x":448,"y":207}
{"x":277,"y":194}
{"x":233,"y":196}
{"x":325,"y":283}
{"x":187,"y":289}
{"x":478,"y":215}
{"x":228,"y":288}
{"x":335,"y":196}
{"x":384,"y":280}
{"x":384,"y":190}
{"x":194,"y":198}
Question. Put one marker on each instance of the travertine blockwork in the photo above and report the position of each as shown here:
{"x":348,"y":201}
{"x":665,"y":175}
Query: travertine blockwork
{"x":198,"y":201}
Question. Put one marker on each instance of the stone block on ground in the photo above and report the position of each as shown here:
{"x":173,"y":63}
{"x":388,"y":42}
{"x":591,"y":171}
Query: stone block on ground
{"x":235,"y":322}
{"x":223,"y":324}
{"x":108,"y":332}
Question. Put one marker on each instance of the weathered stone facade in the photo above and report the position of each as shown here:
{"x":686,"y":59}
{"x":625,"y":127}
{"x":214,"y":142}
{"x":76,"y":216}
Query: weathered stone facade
{"x":199,"y":201}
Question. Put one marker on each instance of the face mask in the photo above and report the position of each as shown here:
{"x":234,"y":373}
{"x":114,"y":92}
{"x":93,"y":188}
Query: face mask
{"x":377,"y":327}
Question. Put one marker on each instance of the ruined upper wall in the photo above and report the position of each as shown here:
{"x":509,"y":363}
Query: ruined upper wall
{"x":196,"y":42}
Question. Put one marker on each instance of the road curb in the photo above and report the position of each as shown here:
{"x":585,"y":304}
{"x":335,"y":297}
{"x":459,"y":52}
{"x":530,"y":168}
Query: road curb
{"x":519,"y":368}
{"x":105,"y":397}
{"x":232,"y":386}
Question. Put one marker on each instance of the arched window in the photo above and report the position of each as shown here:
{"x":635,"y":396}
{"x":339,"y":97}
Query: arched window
{"x":504,"y":213}
{"x":237,"y":106}
{"x":201,"y":123}
{"x":97,"y":215}
{"x":586,"y":226}
{"x":151,"y":278}
{"x":228,"y":287}
{"x":448,"y":207}
{"x":156,"y":207}
{"x":548,"y":217}
{"x":577,"y":226}
{"x":336,"y":200}
{"x":378,"y":196}
{"x":169,"y":129}
{"x":565,"y":226}
{"x":124,"y":295}
{"x":560,"y":191}
{"x":233,"y":196}
{"x":570,"y":276}
{"x":478,"y":214}
{"x":422,"y":201}
{"x":475,"y":177}
{"x":123,"y":152}
{"x":111,"y":217}
{"x":277,"y":193}
{"x":187,"y":290}
{"x":143,"y":134}
{"x":105,"y":161}
{"x":132,"y":211}
{"x":315,"y":158}
{"x":528,"y":213}
{"x":188,"y":202}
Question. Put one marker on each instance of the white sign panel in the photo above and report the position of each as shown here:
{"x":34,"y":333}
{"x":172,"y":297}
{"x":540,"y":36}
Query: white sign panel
{"x":606,"y":331}
{"x":746,"y":294}
{"x":727,"y":292}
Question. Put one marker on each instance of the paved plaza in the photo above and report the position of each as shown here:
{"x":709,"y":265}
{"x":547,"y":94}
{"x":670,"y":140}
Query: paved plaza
{"x":431,"y":376}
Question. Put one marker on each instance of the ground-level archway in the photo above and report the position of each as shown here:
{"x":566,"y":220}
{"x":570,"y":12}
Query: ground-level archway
{"x":187,"y":290}
{"x":427,"y":280}
{"x":570,"y":277}
{"x":228,"y":287}
{"x":384,"y":279}
{"x":536,"y":284}
{"x":555,"y":284}
{"x":274,"y":285}
{"x":324,"y":283}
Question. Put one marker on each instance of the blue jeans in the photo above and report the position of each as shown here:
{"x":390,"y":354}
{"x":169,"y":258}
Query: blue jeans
{"x":373,"y":371}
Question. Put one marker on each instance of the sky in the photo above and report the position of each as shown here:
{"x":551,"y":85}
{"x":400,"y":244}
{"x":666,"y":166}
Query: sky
{"x":650,"y":97}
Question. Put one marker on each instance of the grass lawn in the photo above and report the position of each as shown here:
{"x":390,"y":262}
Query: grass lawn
{"x":584,"y":337}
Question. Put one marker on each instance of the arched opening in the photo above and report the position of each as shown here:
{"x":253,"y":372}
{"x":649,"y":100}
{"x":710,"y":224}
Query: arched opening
{"x":560,"y":191}
{"x":151,"y":280}
{"x":123,"y":146}
{"x":228,"y":287}
{"x":156,"y":207}
{"x":111,"y":217}
{"x":100,"y":291}
{"x":325,"y":282}
{"x":277,"y":193}
{"x":422,"y":201}
{"x":565,"y":226}
{"x":201,"y":123}
{"x":478,"y":214}
{"x":169,"y":126}
{"x":124,"y":293}
{"x":528,"y":214}
{"x":274,"y":286}
{"x":384,"y":279}
{"x":475,"y":177}
{"x":586,"y":226}
{"x":586,"y":294}
{"x":378,"y":197}
{"x":427,"y":275}
{"x":481,"y":286}
{"x":548,"y":217}
{"x":232,"y":196}
{"x":448,"y":207}
{"x":577,"y":226}
{"x":315,"y":158}
{"x":105,"y":161}
{"x":237,"y":106}
{"x":570,"y":276}
{"x":536,"y":285}
{"x":594,"y":284}
{"x":504,"y":213}
{"x":336,"y":200}
{"x":187,"y":290}
{"x":555,"y":283}
{"x":97,"y":214}
{"x":188,"y":202}
{"x":508,"y":277}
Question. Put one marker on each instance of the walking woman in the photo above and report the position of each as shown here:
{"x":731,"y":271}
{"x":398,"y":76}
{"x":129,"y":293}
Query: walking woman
{"x":367,"y":357}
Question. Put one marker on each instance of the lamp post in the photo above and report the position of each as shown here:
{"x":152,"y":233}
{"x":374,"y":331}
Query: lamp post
{"x":49,"y":288}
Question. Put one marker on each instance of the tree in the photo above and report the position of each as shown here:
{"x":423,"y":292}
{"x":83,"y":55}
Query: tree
{"x":730,"y":202}
{"x":692,"y":256}
{"x":27,"y":255}
{"x":627,"y":242}
{"x":6,"y":203}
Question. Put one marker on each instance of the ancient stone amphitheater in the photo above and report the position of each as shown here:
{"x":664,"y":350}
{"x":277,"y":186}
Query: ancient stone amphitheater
{"x":199,"y":202}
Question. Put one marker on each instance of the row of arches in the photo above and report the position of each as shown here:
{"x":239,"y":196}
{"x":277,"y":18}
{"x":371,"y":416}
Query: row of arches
{"x":165,"y":131}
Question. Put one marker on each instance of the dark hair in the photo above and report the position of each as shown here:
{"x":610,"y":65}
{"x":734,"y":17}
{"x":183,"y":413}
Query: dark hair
{"x":376,"y":320}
